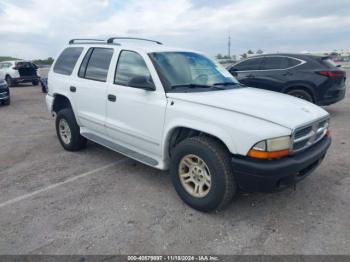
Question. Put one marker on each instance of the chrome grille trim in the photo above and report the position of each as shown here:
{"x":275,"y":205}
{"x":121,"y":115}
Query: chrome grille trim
{"x":308,"y":135}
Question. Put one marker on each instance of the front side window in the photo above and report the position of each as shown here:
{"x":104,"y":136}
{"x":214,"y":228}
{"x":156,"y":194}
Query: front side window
{"x":97,"y":64}
{"x":130,"y":65}
{"x":249,"y":64}
{"x":191,"y":70}
{"x":66,"y":61}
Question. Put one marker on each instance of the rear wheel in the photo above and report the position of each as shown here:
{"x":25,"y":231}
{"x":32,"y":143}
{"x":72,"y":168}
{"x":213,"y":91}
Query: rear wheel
{"x":302,"y":94}
{"x":202,"y":175}
{"x":68,"y":131}
{"x":35,"y":82}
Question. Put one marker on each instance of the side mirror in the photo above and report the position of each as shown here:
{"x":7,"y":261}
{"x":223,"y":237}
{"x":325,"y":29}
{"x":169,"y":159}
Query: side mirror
{"x":142,"y":82}
{"x":233,"y":71}
{"x":338,"y":65}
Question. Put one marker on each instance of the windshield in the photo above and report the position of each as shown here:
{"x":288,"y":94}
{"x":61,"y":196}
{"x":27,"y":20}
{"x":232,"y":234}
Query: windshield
{"x":187,"y":70}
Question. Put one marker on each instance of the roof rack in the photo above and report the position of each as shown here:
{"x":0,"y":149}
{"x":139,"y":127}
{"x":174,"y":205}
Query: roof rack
{"x":73,"y":41}
{"x":111,"y":40}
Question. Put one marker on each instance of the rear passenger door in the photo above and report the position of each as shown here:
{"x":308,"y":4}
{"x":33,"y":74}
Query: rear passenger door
{"x":135,"y":117}
{"x":274,"y":73}
{"x":89,"y":90}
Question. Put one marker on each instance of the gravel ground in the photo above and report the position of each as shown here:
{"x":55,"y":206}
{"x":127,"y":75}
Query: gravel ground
{"x":99,"y":202}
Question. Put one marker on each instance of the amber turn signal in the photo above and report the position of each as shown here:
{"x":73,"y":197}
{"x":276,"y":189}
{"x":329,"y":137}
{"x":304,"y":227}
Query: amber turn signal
{"x":267,"y":155}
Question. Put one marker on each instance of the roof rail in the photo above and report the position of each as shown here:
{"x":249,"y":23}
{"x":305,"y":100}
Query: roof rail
{"x":73,"y":41}
{"x":111,"y":40}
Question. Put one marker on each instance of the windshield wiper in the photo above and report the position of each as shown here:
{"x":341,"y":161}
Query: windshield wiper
{"x":225,"y":84}
{"x":191,"y":86}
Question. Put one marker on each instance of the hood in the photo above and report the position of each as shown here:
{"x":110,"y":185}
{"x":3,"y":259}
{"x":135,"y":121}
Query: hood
{"x":278,"y":108}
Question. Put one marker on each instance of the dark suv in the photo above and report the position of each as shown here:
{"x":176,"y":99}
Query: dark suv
{"x":313,"y":78}
{"x":4,"y":93}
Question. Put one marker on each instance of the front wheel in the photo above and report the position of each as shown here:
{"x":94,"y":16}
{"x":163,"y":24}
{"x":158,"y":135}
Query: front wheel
{"x":202,"y":174}
{"x":68,"y":131}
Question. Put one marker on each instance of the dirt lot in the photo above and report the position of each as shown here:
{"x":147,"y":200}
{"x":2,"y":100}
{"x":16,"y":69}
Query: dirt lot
{"x":99,"y":202}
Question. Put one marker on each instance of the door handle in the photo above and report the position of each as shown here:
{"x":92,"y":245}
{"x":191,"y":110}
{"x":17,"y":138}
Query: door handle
{"x":112,"y":98}
{"x":73,"y":89}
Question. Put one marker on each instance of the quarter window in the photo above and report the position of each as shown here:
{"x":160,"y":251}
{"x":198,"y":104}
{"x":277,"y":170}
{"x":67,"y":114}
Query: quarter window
{"x":130,"y":65}
{"x":66,"y":61}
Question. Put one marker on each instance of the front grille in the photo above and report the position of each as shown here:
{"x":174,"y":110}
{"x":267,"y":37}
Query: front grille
{"x":305,"y":136}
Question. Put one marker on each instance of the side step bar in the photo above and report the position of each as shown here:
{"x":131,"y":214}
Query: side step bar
{"x":121,"y":149}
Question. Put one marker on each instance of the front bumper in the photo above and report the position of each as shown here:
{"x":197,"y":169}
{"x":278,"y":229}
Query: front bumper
{"x":49,"y":102}
{"x":4,"y":95}
{"x":253,"y":175}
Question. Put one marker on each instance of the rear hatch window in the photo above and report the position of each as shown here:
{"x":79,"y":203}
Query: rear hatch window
{"x":328,"y":62}
{"x":26,"y":68}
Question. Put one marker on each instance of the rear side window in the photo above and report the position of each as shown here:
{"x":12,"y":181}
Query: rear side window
{"x":277,"y":62}
{"x":249,"y":65}
{"x":130,"y":65}
{"x":274,"y":63}
{"x":66,"y":61}
{"x":96,"y":63}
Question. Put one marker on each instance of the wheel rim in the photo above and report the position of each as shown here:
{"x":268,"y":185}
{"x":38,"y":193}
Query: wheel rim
{"x":300,"y":95}
{"x":65,"y":132}
{"x":195,"y":176}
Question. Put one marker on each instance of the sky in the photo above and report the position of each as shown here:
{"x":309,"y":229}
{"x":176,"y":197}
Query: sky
{"x":32,"y":29}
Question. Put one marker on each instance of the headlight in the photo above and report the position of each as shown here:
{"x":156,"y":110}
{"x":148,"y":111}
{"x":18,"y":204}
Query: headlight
{"x":271,"y":148}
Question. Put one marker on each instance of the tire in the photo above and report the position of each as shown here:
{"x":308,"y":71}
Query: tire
{"x":35,"y":82}
{"x":43,"y":86}
{"x":302,"y":94}
{"x":9,"y":81}
{"x":68,"y":131}
{"x":217,"y":164}
{"x":7,"y":102}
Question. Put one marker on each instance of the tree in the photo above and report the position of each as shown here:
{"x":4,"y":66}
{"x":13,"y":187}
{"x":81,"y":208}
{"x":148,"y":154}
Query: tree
{"x":244,"y":56}
{"x":250,"y":52}
{"x":47,"y":61}
{"x":259,"y":51}
{"x":219,"y":56}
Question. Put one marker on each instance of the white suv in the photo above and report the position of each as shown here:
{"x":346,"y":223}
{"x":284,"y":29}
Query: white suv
{"x":19,"y":71}
{"x":178,"y":110}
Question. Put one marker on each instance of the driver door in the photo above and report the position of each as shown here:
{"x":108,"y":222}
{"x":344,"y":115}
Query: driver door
{"x":135,"y":116}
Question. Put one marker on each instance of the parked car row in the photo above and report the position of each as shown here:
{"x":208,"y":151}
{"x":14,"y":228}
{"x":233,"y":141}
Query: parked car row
{"x":312,"y":78}
{"x":4,"y":93}
{"x":178,"y":110}
{"x":20,"y":71}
